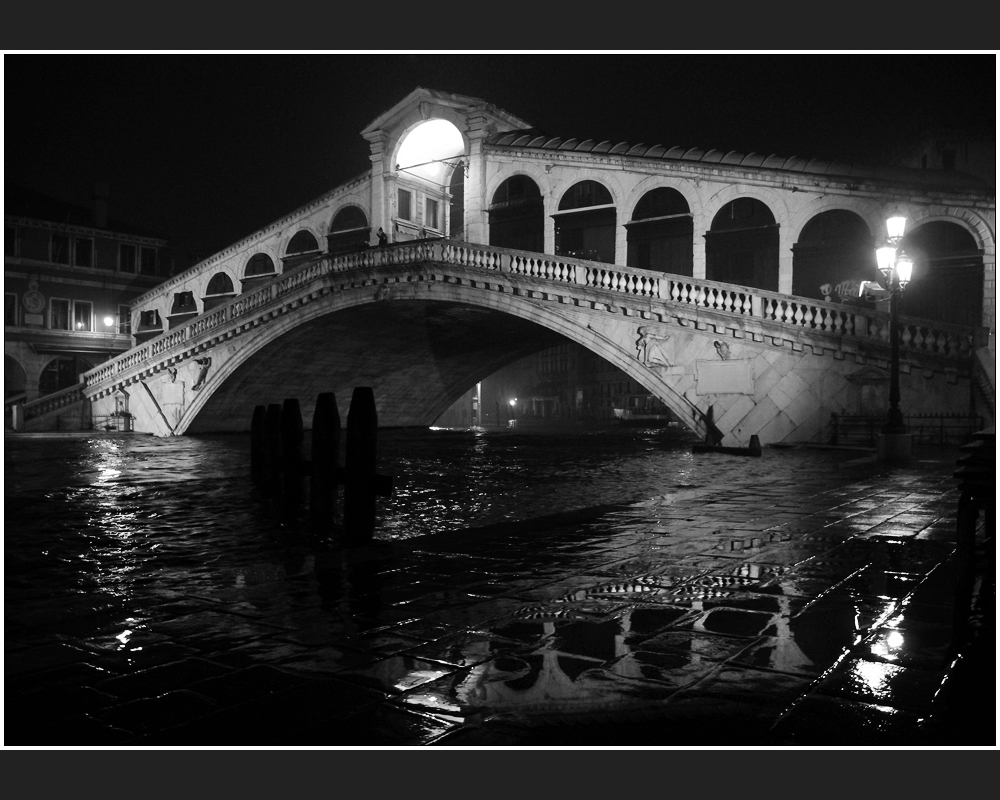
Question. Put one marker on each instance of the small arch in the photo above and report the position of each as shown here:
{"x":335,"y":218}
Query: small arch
{"x":741,"y":246}
{"x":517,"y":215}
{"x":301,"y":242}
{"x":15,"y":379}
{"x":258,"y":265}
{"x":585,"y":223}
{"x":349,"y":231}
{"x":61,"y":373}
{"x":834,"y":254}
{"x":259,"y":269}
{"x":948,"y":273}
{"x":219,"y":290}
{"x":585,"y":194}
{"x":220,"y":283}
{"x":661,"y":233}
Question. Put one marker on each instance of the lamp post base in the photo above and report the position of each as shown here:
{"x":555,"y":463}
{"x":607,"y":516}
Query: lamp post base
{"x":894,"y":446}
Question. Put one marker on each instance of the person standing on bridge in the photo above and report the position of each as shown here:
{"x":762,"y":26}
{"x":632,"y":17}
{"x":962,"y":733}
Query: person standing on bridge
{"x":383,"y":238}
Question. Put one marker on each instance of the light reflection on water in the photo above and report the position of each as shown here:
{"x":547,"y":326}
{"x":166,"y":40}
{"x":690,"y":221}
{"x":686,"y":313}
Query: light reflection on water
{"x":115,"y":544}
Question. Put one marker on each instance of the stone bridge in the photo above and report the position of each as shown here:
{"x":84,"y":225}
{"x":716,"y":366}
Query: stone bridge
{"x":421,"y":322}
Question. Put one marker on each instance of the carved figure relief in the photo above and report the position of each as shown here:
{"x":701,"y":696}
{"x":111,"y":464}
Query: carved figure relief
{"x":652,"y":348}
{"x":383,"y":292}
{"x":203,"y":364}
{"x":723,"y":350}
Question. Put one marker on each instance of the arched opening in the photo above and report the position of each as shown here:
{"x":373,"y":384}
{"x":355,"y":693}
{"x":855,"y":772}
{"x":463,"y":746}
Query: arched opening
{"x":947,"y":281}
{"x":349,"y":231}
{"x":150,"y":325}
{"x":15,"y":380}
{"x":61,"y":373}
{"x":585,"y":223}
{"x":260,"y":268}
{"x":517,"y":215}
{"x":661,"y":233}
{"x":302,"y":247}
{"x":742,"y":245}
{"x":834,"y":253}
{"x":219,"y":290}
{"x":430,"y":175}
{"x":183,"y":308}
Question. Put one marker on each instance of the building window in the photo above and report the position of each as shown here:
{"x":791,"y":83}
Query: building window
{"x":149,"y":319}
{"x":83,"y":252}
{"x":83,"y":316}
{"x":59,"y":249}
{"x":126,"y":257}
{"x":432,"y":214}
{"x":147,"y":262}
{"x":221,"y":284}
{"x":9,"y":308}
{"x":405,"y":207}
{"x":10,"y":241}
{"x":125,"y":320}
{"x":59,"y":315}
{"x":260,"y":264}
{"x":184,"y":303}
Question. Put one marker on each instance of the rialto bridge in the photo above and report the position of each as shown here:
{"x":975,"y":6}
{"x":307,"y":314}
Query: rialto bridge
{"x":726,"y":284}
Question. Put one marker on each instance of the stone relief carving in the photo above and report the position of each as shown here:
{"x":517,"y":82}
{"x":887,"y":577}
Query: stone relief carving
{"x":203,"y":364}
{"x":723,"y":349}
{"x":652,"y":348}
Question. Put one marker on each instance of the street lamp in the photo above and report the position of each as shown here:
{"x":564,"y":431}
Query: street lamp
{"x":895,"y":268}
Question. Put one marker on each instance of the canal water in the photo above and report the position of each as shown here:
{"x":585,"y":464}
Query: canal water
{"x":131,"y":559}
{"x":100,"y":529}
{"x":77,"y":494}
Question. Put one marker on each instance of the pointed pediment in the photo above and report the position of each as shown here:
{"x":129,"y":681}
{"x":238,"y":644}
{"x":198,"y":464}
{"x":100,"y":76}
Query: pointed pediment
{"x":424,"y":103}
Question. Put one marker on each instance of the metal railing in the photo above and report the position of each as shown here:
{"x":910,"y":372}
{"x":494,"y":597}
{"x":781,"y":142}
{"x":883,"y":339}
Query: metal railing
{"x":930,"y":428}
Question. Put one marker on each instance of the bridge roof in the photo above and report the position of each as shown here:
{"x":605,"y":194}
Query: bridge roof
{"x":533,"y":139}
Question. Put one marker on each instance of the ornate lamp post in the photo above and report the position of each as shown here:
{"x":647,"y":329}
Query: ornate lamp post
{"x":895,"y":268}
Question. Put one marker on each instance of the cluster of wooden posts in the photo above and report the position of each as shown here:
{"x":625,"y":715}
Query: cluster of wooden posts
{"x":278,"y":466}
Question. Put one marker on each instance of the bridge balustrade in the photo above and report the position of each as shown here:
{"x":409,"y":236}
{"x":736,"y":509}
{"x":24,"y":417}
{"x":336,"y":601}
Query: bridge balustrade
{"x":801,"y":313}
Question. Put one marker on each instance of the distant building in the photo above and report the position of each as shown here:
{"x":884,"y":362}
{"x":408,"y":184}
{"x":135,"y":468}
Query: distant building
{"x":70,"y":274}
{"x":967,"y":150}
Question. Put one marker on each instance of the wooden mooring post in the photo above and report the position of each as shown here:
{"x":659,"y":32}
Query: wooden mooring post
{"x":278,"y":466}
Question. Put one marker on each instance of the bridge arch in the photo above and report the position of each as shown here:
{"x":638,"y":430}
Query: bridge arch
{"x":238,"y":375}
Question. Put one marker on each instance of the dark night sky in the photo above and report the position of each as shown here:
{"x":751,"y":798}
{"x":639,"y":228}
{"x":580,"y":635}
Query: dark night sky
{"x":206,"y":148}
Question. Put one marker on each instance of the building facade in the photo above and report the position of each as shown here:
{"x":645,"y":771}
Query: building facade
{"x":70,"y":275}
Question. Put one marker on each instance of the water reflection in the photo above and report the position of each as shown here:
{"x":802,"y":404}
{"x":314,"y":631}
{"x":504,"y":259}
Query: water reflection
{"x":146,"y":553}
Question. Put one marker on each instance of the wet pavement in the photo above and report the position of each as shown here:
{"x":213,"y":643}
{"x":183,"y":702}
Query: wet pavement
{"x":797,"y":610}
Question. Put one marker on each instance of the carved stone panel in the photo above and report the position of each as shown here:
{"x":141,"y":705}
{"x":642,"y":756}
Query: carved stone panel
{"x":725,"y":377}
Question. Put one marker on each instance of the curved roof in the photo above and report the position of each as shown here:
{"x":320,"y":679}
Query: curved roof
{"x":532,"y":139}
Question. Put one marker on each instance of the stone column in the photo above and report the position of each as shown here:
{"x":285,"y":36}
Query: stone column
{"x":380,"y":210}
{"x":478,"y":127}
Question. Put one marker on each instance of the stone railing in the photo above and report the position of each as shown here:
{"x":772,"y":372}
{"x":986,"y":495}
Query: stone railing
{"x":796,"y":313}
{"x":53,"y":402}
